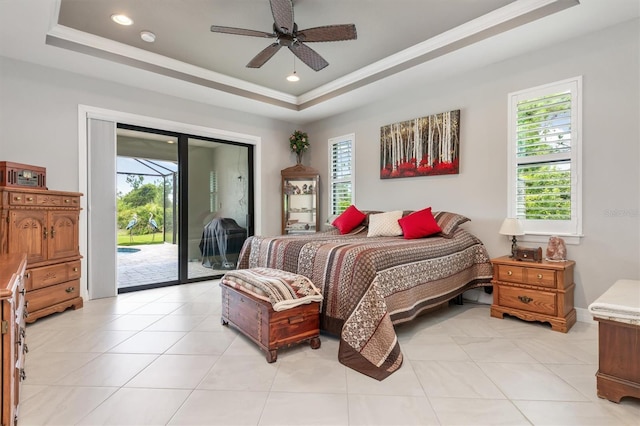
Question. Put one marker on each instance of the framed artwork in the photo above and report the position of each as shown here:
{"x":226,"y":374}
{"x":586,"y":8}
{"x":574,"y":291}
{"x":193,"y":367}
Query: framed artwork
{"x":424,"y":146}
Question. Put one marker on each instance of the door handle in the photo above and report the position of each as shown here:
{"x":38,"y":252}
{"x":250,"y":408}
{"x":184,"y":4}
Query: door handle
{"x":53,"y":232}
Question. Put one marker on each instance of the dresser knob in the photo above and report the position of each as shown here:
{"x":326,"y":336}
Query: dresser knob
{"x":75,"y":269}
{"x":525,"y":299}
{"x":539,"y":276}
{"x":509,"y":273}
{"x":69,"y":289}
{"x":29,"y":198}
{"x":18,"y":198}
{"x":67,"y":200}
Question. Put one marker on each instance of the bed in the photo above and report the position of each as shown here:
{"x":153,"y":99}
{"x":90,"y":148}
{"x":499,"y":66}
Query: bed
{"x":371,"y":283}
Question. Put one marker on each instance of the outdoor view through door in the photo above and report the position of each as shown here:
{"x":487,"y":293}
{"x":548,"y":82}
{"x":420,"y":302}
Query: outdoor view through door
{"x":172,"y":185}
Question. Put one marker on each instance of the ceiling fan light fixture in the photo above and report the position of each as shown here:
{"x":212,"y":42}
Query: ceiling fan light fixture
{"x":293,"y":77}
{"x":121,"y":19}
{"x":147,"y":36}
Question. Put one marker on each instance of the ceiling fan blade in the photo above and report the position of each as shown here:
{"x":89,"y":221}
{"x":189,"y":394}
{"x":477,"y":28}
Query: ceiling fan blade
{"x":308,"y":56}
{"x":264,"y":56}
{"x":241,"y":31}
{"x":282,"y":11}
{"x":328,"y":33}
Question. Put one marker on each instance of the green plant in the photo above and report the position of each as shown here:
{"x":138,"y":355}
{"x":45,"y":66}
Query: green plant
{"x":299,"y":141}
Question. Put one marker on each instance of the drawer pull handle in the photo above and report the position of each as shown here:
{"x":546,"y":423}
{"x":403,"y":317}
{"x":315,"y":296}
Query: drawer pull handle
{"x":539,"y":276}
{"x":18,"y":198}
{"x":75,"y":269}
{"x":509,"y":273}
{"x":66,"y":200}
{"x":69,"y":289}
{"x":296,"y":320}
{"x":525,"y":299}
{"x":29,"y":198}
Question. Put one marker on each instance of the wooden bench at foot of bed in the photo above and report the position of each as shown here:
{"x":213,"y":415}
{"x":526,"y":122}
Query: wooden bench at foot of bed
{"x":270,"y":329}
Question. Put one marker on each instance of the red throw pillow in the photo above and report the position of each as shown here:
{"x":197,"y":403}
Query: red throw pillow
{"x":349,"y":219}
{"x":419,"y":224}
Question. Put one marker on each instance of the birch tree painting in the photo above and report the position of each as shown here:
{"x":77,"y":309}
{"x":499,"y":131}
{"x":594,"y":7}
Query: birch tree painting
{"x":423,"y":146}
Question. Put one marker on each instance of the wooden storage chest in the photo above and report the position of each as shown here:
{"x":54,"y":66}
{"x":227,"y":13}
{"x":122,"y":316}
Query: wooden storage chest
{"x":270,"y":329}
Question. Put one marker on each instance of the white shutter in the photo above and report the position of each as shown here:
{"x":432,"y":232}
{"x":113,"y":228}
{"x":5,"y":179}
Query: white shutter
{"x":341,"y":173}
{"x":544,"y":167}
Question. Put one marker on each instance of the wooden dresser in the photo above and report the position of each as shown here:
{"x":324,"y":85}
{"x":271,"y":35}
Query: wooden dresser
{"x":534,"y":291}
{"x":44,"y":225}
{"x":12,"y":339}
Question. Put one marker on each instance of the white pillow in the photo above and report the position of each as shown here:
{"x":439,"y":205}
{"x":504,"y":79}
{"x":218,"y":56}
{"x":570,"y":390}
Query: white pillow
{"x":385,"y":224}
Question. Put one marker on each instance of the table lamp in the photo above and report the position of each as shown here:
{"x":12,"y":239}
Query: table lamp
{"x":512,"y":226}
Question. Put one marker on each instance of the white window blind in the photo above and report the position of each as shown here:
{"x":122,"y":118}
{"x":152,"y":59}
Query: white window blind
{"x":341,"y":173}
{"x":213,"y":191}
{"x":544,"y":160}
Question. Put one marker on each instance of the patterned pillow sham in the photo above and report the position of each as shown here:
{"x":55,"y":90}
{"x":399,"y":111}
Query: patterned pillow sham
{"x":449,"y":222}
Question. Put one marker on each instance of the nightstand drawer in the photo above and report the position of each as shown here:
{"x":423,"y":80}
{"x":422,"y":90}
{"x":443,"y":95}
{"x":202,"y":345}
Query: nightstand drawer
{"x":541,"y":302}
{"x":541,"y":277}
{"x":514,"y":274}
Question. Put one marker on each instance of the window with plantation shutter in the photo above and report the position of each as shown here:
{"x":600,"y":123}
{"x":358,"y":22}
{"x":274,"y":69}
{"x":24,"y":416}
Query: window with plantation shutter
{"x":341,"y":173}
{"x":544,"y":158}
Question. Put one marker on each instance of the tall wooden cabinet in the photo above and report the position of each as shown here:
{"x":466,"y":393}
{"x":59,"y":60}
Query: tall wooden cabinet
{"x":300,"y":200}
{"x":12,"y":338}
{"x":44,"y":225}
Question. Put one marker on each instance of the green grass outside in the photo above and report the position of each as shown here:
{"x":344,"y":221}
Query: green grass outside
{"x":125,"y":240}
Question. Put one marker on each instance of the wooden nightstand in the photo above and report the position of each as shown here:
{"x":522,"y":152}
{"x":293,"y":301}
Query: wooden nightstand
{"x":534,"y":291}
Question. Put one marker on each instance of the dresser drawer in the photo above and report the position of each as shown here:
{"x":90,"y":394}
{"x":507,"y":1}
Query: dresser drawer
{"x":47,"y":276}
{"x":47,"y":200}
{"x":20,"y":199}
{"x":514,"y":274}
{"x":536,"y":301}
{"x":541,"y":277}
{"x":45,"y":297}
{"x":70,"y":201}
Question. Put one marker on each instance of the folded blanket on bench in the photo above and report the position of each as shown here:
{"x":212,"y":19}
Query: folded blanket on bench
{"x":284,"y":290}
{"x":621,"y":302}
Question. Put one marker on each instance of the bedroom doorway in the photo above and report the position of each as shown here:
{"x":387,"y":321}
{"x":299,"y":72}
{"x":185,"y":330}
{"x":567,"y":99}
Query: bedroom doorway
{"x":182,"y":206}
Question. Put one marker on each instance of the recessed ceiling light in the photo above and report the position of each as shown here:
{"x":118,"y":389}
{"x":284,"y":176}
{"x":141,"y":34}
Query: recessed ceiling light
{"x":147,"y":36}
{"x":121,"y":19}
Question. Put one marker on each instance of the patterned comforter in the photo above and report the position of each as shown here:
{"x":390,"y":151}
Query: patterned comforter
{"x":371,"y":283}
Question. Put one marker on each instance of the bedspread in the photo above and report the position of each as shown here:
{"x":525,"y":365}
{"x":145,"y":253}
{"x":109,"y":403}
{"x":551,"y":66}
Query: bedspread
{"x":371,"y":283}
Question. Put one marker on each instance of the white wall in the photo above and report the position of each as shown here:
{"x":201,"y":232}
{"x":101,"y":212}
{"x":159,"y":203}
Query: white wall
{"x":39,"y":125}
{"x":608,"y":60}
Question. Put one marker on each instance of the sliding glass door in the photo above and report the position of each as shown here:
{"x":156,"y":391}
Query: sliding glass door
{"x":183,"y":206}
{"x":218,"y":205}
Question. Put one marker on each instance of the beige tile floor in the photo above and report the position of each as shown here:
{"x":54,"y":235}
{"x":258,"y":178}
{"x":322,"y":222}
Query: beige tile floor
{"x":161,"y":357}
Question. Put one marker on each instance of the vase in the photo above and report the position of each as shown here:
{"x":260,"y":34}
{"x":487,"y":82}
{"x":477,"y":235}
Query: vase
{"x":299,"y":157}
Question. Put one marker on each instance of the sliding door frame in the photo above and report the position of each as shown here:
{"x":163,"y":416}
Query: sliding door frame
{"x":86,"y":112}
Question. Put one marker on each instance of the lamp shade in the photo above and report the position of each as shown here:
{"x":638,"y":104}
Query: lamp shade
{"x":511,"y":226}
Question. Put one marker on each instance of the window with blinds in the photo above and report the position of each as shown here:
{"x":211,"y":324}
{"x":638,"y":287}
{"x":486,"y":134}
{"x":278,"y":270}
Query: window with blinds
{"x":544,"y":166}
{"x":341,"y":173}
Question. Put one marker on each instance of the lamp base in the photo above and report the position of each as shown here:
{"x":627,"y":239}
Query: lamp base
{"x":514,"y":246}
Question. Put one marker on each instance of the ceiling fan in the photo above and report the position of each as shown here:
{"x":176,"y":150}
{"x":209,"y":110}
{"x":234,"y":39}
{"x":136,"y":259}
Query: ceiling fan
{"x":286,"y":33}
